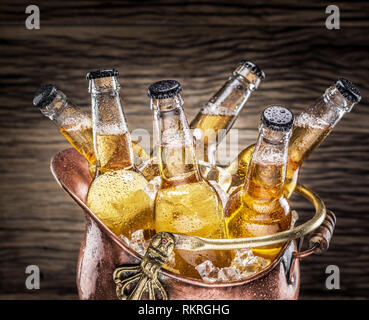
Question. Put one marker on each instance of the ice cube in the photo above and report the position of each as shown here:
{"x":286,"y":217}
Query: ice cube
{"x":152,"y":188}
{"x":244,"y":265}
{"x":137,"y":242}
{"x":247,"y":263}
{"x":208,"y":271}
{"x":229,"y":274}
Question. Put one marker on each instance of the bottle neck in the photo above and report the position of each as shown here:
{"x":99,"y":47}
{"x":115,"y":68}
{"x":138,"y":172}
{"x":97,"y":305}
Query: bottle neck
{"x":214,"y":120}
{"x":327,"y":110}
{"x":314,"y":124}
{"x":112,"y":141}
{"x":73,"y":124}
{"x":175,"y":149}
{"x":230,"y":98}
{"x":233,"y":95}
{"x":63,"y":113}
{"x":267,"y":169}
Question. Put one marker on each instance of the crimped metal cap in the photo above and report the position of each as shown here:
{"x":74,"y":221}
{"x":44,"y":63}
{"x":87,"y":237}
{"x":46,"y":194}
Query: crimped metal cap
{"x":164,"y":89}
{"x":277,"y":118}
{"x":348,"y":90}
{"x":254,"y":68}
{"x":45,"y":95}
{"x":102,"y":74}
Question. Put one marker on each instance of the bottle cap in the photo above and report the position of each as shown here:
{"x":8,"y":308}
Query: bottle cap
{"x":164,"y":89}
{"x":102,"y":74}
{"x":45,"y":95}
{"x":277,"y":118}
{"x":348,"y":90}
{"x":254,"y":68}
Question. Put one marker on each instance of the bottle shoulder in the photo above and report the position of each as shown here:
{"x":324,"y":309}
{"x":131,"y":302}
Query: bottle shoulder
{"x":129,"y":179}
{"x":241,"y":202}
{"x":188,"y":188}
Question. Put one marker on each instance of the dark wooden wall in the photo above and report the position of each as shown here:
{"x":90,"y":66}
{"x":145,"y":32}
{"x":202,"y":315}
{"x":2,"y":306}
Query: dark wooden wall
{"x":199,"y":44}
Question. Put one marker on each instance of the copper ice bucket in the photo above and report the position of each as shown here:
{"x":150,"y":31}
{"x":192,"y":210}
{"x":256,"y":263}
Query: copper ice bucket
{"x":104,"y":258}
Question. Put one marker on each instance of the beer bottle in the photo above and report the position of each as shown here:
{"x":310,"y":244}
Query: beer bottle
{"x":116,"y":194}
{"x":185,"y":203}
{"x":217,"y":117}
{"x":311,"y":127}
{"x":259,"y":208}
{"x":74,"y":124}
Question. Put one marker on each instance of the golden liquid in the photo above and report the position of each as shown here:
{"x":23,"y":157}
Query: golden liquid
{"x":116,"y":195}
{"x":139,"y":153}
{"x":113,"y":152}
{"x":187,"y":204}
{"x":259,"y":208}
{"x":238,"y":168}
{"x":176,"y":160}
{"x":217,"y":174}
{"x":194,"y":209}
{"x":150,"y":169}
{"x":118,"y":200}
{"x":303,"y":142}
{"x":80,"y":137}
{"x":214,"y":122}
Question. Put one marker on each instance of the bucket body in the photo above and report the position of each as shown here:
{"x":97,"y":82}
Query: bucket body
{"x":100,"y":256}
{"x":102,"y":252}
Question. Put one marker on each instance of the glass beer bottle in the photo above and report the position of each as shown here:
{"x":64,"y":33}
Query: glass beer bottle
{"x":116,"y":194}
{"x":185,"y":203}
{"x":311,"y":127}
{"x":217,"y":117}
{"x":259,"y":208}
{"x":74,"y":124}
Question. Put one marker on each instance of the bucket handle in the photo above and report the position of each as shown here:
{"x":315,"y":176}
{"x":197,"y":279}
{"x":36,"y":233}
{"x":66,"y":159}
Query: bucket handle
{"x":320,"y":238}
{"x":194,"y":243}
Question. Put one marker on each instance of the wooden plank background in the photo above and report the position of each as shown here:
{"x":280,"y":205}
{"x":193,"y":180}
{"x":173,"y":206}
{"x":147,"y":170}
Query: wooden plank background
{"x":198,"y":43}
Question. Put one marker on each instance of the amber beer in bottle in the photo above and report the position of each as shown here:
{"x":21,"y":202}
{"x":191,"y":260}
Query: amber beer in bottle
{"x":311,"y":127}
{"x":217,"y":117}
{"x":185,"y":203}
{"x":116,"y":194}
{"x":74,"y":124}
{"x":259,"y":208}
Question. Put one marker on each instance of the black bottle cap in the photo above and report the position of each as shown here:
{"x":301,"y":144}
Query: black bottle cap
{"x":277,"y":118}
{"x":45,"y":96}
{"x":254,"y":68}
{"x":102,"y":74}
{"x":164,"y":89}
{"x":348,"y":90}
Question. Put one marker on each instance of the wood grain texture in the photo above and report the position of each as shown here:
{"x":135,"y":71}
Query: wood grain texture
{"x":198,"y":43}
{"x":193,"y":13}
